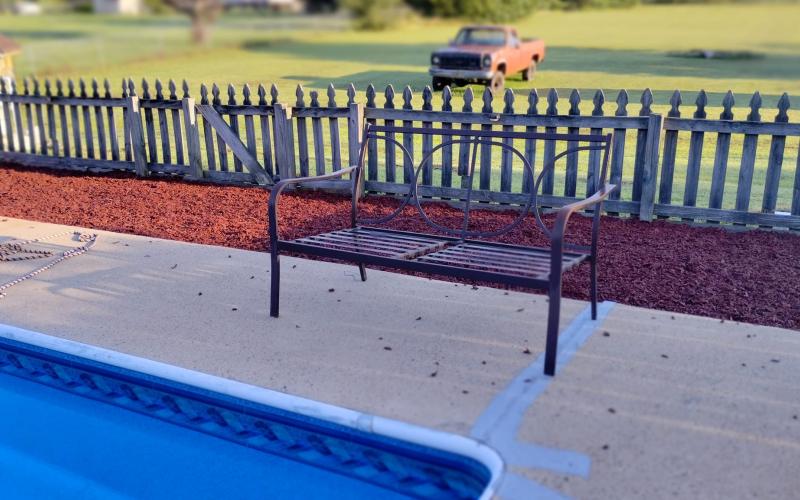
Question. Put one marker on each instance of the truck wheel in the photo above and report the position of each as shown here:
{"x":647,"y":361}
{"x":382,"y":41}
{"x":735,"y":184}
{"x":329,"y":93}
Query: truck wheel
{"x":497,"y":83}
{"x":439,"y":83}
{"x":528,"y":73}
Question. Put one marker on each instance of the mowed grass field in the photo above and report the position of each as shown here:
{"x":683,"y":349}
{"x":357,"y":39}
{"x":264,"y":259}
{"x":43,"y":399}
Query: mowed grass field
{"x":587,"y":50}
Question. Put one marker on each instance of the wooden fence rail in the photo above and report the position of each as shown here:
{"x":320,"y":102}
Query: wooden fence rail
{"x":691,"y":166}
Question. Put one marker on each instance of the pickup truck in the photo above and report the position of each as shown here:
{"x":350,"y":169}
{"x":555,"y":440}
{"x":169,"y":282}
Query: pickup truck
{"x":486,"y":55}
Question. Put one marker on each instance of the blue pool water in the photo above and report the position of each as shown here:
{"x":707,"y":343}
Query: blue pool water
{"x":58,"y":445}
{"x":76,"y":428}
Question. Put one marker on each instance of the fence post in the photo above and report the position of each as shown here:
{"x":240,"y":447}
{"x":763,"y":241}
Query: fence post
{"x":137,"y":136}
{"x":355,"y":127}
{"x":650,"y":167}
{"x":284,"y":141}
{"x":192,"y":138}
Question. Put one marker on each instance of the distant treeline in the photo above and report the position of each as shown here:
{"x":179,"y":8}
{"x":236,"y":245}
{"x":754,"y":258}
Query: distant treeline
{"x":378,"y":14}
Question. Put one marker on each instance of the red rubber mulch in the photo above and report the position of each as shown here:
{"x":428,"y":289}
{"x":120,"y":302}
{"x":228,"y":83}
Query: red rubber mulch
{"x":751,"y":276}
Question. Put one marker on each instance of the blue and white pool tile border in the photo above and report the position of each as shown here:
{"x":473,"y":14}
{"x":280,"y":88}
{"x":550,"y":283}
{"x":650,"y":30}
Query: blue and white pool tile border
{"x":393,"y":429}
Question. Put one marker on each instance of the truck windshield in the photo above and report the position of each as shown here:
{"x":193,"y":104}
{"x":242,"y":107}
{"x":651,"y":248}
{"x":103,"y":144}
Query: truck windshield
{"x":480,"y":36}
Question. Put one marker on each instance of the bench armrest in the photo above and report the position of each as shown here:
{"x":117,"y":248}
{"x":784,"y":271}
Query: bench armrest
{"x":278,"y":188}
{"x":594,"y":199}
{"x":562,"y":217}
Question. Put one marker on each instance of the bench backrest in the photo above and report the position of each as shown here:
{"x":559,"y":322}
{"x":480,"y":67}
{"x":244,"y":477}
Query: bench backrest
{"x":471,"y":144}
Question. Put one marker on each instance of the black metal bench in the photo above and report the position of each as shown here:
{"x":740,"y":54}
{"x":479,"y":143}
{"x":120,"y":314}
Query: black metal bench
{"x":458,"y":252}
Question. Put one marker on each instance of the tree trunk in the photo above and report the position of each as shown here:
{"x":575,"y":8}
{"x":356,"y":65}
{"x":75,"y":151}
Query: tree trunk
{"x":200,"y":30}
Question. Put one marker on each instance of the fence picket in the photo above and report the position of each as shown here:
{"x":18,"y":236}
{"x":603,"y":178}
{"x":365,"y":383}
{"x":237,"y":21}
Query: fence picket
{"x":528,"y":178}
{"x":62,"y":114}
{"x":163,"y":126}
{"x":87,"y":122}
{"x":336,"y":148}
{"x":175,"y":114}
{"x":319,"y":140}
{"x":695,"y":154}
{"x":125,"y":125}
{"x":284,"y":142}
{"x":222,"y":150}
{"x":721,"y":156}
{"x":102,"y":147}
{"x":372,"y":146}
{"x":507,"y":157}
{"x":641,"y":145}
{"x":748,"y":162}
{"x":408,"y":139}
{"x":112,"y":143}
{"x":486,"y":149}
{"x":464,"y":148}
{"x":650,"y":167}
{"x":249,"y":125}
{"x":775,"y":163}
{"x":266,"y":139}
{"x":447,"y":150}
{"x":137,"y":137}
{"x":17,"y":119}
{"x":427,"y":139}
{"x":51,"y":120}
{"x":571,"y":176}
{"x":670,"y":151}
{"x":192,"y":135}
{"x":593,"y":169}
{"x":618,"y":148}
{"x":31,"y":147}
{"x":234,"y":124}
{"x":208,"y":132}
{"x":355,"y":126}
{"x":795,"y":209}
{"x":302,"y":133}
{"x":390,"y":149}
{"x":550,"y":146}
{"x":149,"y":123}
{"x":40,"y":123}
{"x":5,"y":104}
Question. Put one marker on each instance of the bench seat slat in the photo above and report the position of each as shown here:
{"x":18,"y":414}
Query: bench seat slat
{"x":471,"y":263}
{"x":348,"y":247}
{"x":363,"y":240}
{"x":514,"y":260}
{"x":494,"y":258}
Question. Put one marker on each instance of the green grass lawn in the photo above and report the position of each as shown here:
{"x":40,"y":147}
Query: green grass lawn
{"x":607,"y":49}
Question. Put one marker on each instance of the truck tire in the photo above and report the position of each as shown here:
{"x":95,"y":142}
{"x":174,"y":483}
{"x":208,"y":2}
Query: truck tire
{"x":497,"y":83}
{"x":527,"y":74}
{"x":439,"y":83}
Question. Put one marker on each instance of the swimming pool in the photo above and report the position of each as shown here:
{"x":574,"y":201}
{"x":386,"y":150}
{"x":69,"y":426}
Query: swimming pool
{"x":83,"y":422}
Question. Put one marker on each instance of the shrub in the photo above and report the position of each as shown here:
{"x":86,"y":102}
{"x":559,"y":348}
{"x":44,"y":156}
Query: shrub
{"x":476,"y":10}
{"x":374,"y":14}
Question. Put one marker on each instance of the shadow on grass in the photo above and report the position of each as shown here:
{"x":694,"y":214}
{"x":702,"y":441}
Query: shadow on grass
{"x":403,"y":54}
{"x":44,"y":35}
{"x":772,"y":66}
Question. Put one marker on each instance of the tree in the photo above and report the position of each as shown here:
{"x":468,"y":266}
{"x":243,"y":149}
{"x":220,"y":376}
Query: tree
{"x":202,"y":13}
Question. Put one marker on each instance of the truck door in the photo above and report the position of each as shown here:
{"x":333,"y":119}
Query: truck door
{"x":517,"y":60}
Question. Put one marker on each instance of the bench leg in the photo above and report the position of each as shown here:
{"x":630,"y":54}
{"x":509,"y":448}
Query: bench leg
{"x":363,"y":270}
{"x":275,"y":289}
{"x":553,"y":316}
{"x":593,"y":289}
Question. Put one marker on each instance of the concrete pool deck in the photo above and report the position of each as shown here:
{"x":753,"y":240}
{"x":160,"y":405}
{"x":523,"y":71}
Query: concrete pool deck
{"x":651,"y":404}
